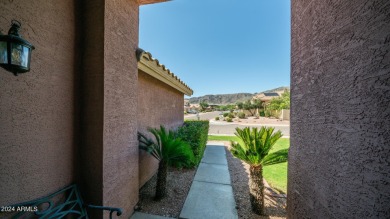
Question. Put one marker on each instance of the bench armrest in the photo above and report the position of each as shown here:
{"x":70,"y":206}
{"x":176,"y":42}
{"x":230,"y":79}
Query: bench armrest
{"x":111,"y":209}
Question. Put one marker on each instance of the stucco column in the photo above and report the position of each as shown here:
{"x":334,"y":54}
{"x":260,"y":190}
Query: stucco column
{"x":109,"y":151}
{"x":339,"y":164}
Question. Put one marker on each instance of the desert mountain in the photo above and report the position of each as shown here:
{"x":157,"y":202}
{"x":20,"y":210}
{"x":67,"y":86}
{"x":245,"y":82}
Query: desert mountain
{"x":231,"y":98}
{"x":222,"y":98}
{"x":275,"y":90}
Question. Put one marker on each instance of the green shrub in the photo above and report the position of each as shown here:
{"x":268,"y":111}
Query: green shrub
{"x":226,"y":114}
{"x":195,"y":133}
{"x":231,"y":115}
{"x":167,"y":147}
{"x":169,"y":151}
{"x":217,"y":118}
{"x":229,"y":119}
{"x":241,"y":115}
{"x":262,"y":114}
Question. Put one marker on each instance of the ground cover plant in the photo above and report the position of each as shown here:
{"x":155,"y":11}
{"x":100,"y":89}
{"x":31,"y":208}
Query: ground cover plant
{"x":276,"y":175}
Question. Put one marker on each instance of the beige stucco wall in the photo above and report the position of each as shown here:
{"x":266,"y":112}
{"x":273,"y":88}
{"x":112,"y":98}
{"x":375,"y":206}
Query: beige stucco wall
{"x":73,"y":118}
{"x":158,"y":104}
{"x":109,"y":155}
{"x":120,"y":160}
{"x":37,"y":109}
{"x":339,"y":163}
{"x":281,"y":114}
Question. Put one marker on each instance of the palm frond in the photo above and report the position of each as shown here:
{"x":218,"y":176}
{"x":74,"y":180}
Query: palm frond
{"x":280,"y":156}
{"x":149,"y":146}
{"x":256,"y":144}
{"x":167,"y":147}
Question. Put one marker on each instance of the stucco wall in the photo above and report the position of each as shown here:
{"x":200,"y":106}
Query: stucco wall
{"x":37,"y":108}
{"x":109,"y":155}
{"x":158,"y":104}
{"x":285,"y":114}
{"x":339,"y":163}
{"x":120,"y":160}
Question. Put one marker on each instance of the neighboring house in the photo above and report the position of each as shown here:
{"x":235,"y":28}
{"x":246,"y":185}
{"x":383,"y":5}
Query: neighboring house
{"x":160,"y":98}
{"x":191,"y":108}
{"x":266,"y":97}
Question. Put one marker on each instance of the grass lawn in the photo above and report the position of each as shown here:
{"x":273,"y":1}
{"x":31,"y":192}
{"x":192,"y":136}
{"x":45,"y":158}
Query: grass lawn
{"x":276,"y":175}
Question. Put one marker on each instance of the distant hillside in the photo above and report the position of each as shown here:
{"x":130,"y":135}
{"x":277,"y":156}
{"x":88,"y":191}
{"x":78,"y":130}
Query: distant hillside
{"x":231,"y":98}
{"x":222,"y":98}
{"x":275,"y":90}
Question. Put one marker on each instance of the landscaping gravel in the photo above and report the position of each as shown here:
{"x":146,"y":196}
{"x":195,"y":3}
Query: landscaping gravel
{"x":179,"y":183}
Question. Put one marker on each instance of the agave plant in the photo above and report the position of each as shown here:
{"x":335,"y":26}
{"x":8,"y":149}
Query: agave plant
{"x":255,"y":152}
{"x":169,"y":151}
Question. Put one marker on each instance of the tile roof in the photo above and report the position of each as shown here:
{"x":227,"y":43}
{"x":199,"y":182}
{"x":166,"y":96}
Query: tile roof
{"x":145,"y":2}
{"x":271,"y":94}
{"x":152,"y":66}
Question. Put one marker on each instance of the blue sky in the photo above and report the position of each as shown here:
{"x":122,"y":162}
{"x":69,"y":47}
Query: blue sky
{"x":220,"y":46}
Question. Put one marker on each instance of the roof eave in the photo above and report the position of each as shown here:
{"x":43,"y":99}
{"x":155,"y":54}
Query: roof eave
{"x":146,"y":2}
{"x":152,"y":67}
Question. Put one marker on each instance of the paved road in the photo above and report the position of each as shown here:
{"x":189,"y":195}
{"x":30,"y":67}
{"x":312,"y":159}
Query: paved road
{"x":203,"y":116}
{"x":229,"y":129}
{"x":223,"y":128}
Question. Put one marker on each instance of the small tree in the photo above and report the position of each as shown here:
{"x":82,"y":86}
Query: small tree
{"x":247,"y":105}
{"x":169,"y":150}
{"x":203,"y":105}
{"x":231,"y":107}
{"x":255,"y":152}
{"x":240,"y":105}
{"x":257,"y":104}
{"x":252,"y":106}
{"x":279,"y":103}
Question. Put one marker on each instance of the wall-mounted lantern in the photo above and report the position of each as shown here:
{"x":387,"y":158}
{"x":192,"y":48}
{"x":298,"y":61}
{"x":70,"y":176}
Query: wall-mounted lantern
{"x":15,"y":52}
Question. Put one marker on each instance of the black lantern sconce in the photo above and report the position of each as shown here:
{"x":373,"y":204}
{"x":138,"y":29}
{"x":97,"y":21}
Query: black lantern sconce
{"x":15,"y":52}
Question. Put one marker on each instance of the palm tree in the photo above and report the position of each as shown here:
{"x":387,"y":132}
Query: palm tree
{"x":170,"y":151}
{"x":255,"y":152}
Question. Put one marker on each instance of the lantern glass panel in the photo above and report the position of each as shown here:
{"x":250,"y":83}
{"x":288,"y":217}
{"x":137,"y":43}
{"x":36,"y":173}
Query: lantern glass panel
{"x":3,"y":52}
{"x":19,"y":55}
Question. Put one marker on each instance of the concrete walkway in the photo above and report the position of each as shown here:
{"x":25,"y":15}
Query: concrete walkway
{"x":140,"y":215}
{"x":211,"y":194}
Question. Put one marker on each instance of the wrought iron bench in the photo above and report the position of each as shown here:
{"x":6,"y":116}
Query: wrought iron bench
{"x":65,"y":203}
